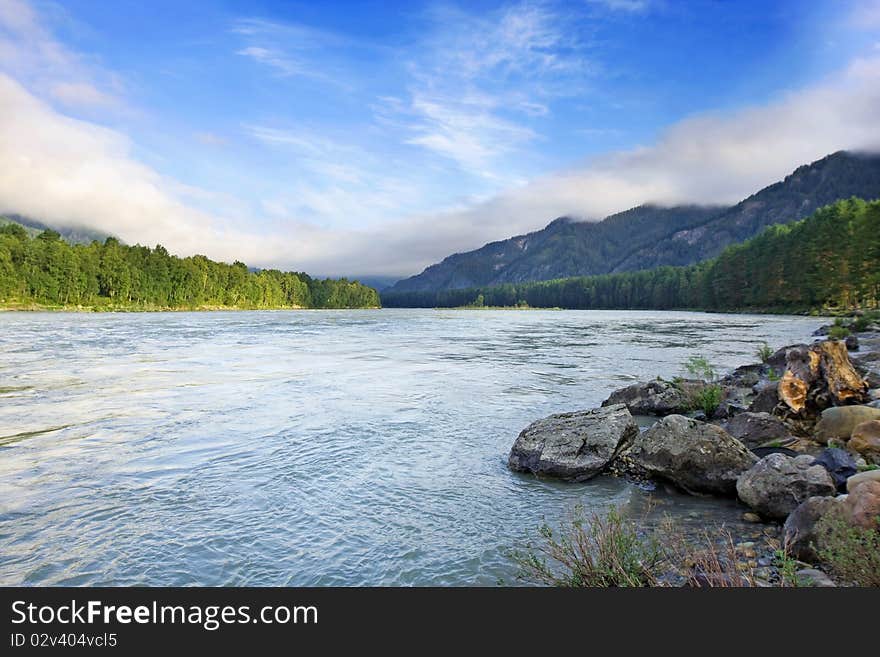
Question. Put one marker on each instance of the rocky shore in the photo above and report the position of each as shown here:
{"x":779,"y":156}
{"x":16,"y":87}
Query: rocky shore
{"x":795,"y":438}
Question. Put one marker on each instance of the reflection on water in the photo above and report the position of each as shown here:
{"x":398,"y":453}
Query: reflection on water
{"x":310,"y":448}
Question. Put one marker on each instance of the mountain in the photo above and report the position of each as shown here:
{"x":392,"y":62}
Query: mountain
{"x":649,"y":236}
{"x":71,"y":234}
{"x":829,"y":261}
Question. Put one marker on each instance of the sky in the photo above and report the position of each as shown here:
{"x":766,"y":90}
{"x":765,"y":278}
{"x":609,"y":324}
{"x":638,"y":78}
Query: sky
{"x":375,"y":138}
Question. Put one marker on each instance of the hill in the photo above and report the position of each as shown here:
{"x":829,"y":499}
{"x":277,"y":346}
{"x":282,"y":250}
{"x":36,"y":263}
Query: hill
{"x":829,"y":261}
{"x":648,"y":236}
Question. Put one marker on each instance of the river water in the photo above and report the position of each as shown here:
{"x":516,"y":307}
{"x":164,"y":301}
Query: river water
{"x":312,"y":447}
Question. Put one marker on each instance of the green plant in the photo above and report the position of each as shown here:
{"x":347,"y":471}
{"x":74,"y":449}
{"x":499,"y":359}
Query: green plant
{"x":595,"y":550}
{"x":764,"y":352}
{"x":868,"y":466}
{"x":788,"y":568}
{"x":852,"y":553}
{"x":838,"y":332}
{"x":708,"y":398}
{"x":700,"y":367}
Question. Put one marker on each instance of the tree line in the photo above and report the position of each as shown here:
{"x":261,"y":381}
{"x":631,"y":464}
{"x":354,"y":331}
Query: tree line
{"x":830,"y":260}
{"x":47,"y":270}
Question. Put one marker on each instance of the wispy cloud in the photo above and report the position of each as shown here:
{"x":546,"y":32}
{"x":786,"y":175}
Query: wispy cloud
{"x":29,"y":51}
{"x":630,"y":6}
{"x":478,"y":83}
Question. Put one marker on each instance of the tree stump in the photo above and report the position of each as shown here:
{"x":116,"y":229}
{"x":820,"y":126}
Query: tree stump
{"x":820,"y":376}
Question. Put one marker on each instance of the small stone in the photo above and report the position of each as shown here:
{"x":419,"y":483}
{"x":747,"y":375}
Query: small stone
{"x":813,"y":577}
{"x":748,"y":516}
{"x":852,"y":343}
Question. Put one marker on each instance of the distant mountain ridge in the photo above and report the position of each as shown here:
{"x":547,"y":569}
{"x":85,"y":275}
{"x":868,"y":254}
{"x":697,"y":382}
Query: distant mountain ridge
{"x":649,"y":236}
{"x":70,"y":234}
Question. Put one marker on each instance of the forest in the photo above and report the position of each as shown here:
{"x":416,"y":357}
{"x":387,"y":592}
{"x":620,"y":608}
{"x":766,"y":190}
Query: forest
{"x":828,"y":261}
{"x":45,"y":270}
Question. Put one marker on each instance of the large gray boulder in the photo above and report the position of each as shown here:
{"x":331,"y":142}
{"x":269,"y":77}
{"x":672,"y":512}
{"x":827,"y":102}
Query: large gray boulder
{"x":753,"y":429}
{"x":777,"y":484}
{"x":651,"y":398}
{"x":573,"y":446}
{"x":693,"y":455}
{"x":801,"y":536}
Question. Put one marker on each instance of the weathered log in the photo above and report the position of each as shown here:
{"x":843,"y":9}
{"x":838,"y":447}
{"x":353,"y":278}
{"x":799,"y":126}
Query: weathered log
{"x":802,"y":371}
{"x":820,"y":376}
{"x":843,"y":380}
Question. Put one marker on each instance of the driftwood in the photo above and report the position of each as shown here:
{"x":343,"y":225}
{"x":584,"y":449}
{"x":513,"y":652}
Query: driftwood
{"x":820,"y":376}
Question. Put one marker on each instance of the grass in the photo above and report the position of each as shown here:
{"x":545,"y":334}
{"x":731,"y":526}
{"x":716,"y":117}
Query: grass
{"x":612,"y":551}
{"x":764,"y":352}
{"x":590,"y":551}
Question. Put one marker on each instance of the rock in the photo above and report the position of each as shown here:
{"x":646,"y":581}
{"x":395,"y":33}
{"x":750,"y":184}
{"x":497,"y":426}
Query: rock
{"x":762,"y":451}
{"x":778,"y":359}
{"x":753,"y":429}
{"x":819,"y":376}
{"x":874,"y":393}
{"x":813,"y":577}
{"x":825,"y":329}
{"x":851,"y":342}
{"x":748,"y":516}
{"x":861,"y":507}
{"x":776,"y":484}
{"x":865,"y":440}
{"x":651,"y":398}
{"x":860,"y":478}
{"x":766,"y":398}
{"x":745,"y":376}
{"x":875,"y":404}
{"x":839,"y":422}
{"x":840,"y":465}
{"x":800,"y":534}
{"x":573,"y":446}
{"x":697,"y":457}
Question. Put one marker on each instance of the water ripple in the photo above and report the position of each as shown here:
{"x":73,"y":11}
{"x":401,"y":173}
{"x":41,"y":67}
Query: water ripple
{"x":310,"y":448}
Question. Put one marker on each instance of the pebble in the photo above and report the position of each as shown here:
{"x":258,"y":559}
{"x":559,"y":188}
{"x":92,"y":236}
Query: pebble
{"x":751,"y":517}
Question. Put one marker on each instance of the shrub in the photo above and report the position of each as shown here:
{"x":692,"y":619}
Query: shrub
{"x":851,"y":553}
{"x":838,"y":332}
{"x":604,"y":551}
{"x":700,"y":367}
{"x":764,"y":352}
{"x":708,"y":398}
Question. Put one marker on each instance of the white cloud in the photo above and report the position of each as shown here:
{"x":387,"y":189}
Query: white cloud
{"x":82,"y":94}
{"x":477,"y":82}
{"x":29,"y":51}
{"x":631,"y":6}
{"x":67,"y":171}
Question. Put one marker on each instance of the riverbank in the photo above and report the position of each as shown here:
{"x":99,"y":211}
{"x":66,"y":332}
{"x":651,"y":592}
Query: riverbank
{"x":794,"y":438}
{"x":110,"y":308}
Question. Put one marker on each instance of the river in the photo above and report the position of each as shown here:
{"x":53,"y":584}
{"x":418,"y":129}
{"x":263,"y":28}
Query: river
{"x":312,"y":447}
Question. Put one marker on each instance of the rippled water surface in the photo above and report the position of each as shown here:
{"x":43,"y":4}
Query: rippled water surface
{"x":297,"y":448}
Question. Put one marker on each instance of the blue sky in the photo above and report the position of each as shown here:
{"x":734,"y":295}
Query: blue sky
{"x":377,"y":137}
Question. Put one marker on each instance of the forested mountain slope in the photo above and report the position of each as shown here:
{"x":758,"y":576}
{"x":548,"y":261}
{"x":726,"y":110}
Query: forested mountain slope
{"x":831,"y":260}
{"x":649,"y":236}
